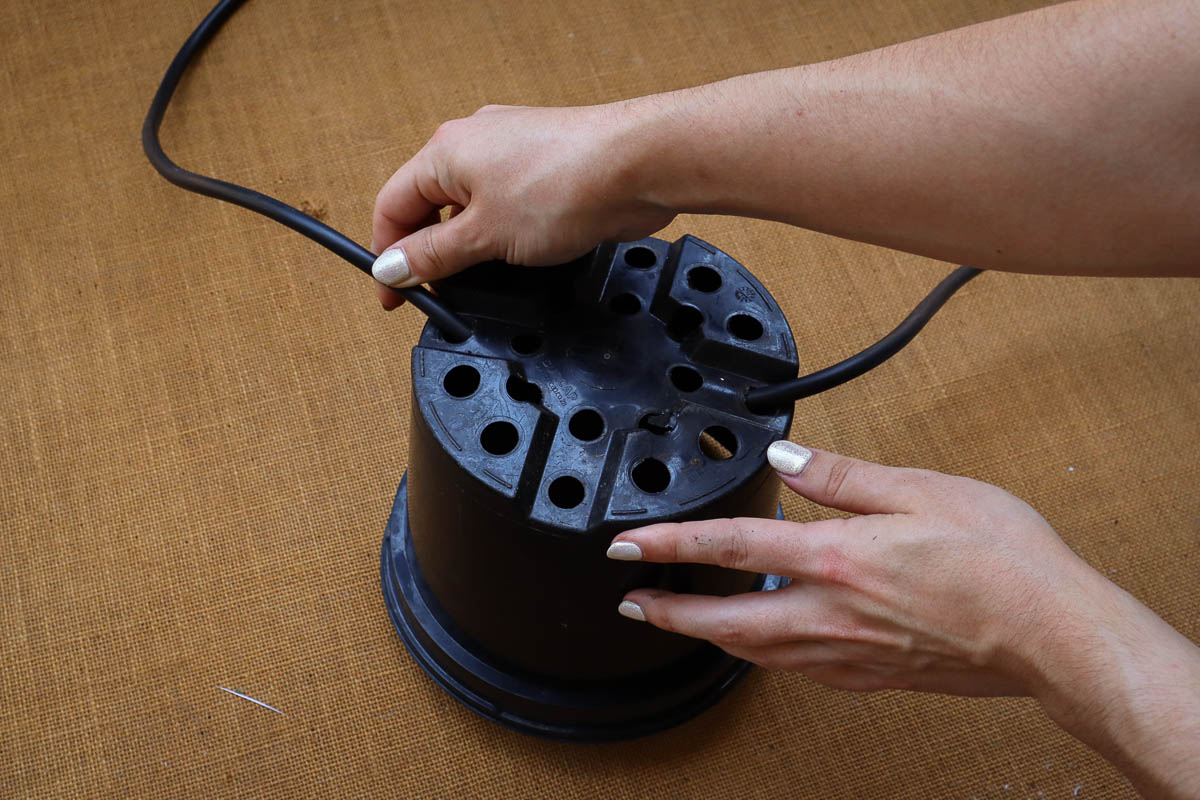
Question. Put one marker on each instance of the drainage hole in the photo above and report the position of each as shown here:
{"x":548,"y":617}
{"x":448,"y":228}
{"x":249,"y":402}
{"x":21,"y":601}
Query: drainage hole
{"x":625,"y":303}
{"x":744,"y":326}
{"x":685,"y":379}
{"x":499,"y":438}
{"x":451,"y":338}
{"x":640,"y":257}
{"x":586,"y":425}
{"x":462,"y":381}
{"x":718,"y":443}
{"x":704,"y":279}
{"x":565,"y":492}
{"x":522,"y":390}
{"x":651,"y":475}
{"x":684,"y":321}
{"x":526,"y":343}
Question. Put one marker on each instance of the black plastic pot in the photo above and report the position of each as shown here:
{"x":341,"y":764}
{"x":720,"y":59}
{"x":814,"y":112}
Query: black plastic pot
{"x":591,"y":398}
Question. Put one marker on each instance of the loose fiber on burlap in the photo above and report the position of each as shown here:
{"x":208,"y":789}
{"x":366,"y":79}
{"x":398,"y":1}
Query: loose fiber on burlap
{"x":204,"y":415}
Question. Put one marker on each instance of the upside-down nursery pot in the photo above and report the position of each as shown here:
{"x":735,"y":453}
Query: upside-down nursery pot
{"x":590,"y":399}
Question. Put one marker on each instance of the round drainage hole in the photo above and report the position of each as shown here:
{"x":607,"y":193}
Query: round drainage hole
{"x":526,"y":343}
{"x":586,"y":425}
{"x":522,"y":390}
{"x":704,"y":279}
{"x":685,"y":379}
{"x":462,"y":381}
{"x":718,"y":443}
{"x":451,"y":338}
{"x":651,"y":475}
{"x":499,"y":438}
{"x":744,"y":326}
{"x":625,"y":303}
{"x":640,"y":257}
{"x":684,"y":321}
{"x":565,"y":492}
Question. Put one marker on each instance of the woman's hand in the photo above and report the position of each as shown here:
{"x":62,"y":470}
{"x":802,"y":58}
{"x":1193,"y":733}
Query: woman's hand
{"x":532,"y":186}
{"x":943,"y":584}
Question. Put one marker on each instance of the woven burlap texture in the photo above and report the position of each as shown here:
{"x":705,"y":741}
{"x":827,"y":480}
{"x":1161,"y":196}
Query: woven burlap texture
{"x":205,"y":415}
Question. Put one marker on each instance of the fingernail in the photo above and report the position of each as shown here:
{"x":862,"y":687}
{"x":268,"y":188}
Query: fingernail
{"x":391,"y":268}
{"x":624,"y":551}
{"x":788,"y":457}
{"x":631,"y":610}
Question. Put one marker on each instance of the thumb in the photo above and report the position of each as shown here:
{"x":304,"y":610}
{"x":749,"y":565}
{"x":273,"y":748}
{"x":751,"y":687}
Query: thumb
{"x":433,"y":252}
{"x":849,"y":484}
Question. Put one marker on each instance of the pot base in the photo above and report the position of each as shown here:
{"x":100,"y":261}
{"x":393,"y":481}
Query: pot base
{"x":572,"y":711}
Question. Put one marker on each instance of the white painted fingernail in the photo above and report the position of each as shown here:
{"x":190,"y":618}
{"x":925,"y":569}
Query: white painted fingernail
{"x":391,"y":268}
{"x":788,"y":457}
{"x":631,"y":610}
{"x":624,"y":551}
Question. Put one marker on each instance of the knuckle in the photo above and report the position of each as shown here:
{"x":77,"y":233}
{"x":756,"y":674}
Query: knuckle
{"x":728,"y":633}
{"x":427,"y":247}
{"x":661,"y":615}
{"x":833,"y":629}
{"x":674,"y":534}
{"x":838,"y":473}
{"x":447,"y":130}
{"x":734,"y":548}
{"x":832,"y":566}
{"x":473,"y":238}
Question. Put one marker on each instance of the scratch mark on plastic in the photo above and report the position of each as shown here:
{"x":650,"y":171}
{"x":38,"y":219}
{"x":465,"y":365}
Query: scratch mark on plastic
{"x":422,"y":363}
{"x":497,"y":479}
{"x":449,"y":435}
{"x":626,"y":512}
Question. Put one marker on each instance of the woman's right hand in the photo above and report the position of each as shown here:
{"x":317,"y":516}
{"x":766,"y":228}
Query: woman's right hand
{"x":531,"y":186}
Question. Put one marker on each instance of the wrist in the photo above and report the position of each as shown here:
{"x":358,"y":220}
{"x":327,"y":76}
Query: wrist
{"x":696,"y":150}
{"x":1120,"y":679}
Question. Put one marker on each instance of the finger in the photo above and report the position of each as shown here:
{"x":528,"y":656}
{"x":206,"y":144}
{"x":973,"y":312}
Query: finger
{"x":753,"y":619}
{"x":389,"y":298}
{"x":790,"y":656}
{"x":747,"y":543}
{"x":490,"y":107}
{"x":409,"y":200}
{"x":433,"y":252}
{"x":849,"y":484}
{"x":801,"y":655}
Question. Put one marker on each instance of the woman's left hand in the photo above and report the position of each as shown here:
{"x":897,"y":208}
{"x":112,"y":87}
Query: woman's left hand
{"x":942,"y":583}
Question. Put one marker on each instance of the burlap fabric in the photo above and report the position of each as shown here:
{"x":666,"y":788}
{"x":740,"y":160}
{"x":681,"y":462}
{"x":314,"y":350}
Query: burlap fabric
{"x":204,"y":415}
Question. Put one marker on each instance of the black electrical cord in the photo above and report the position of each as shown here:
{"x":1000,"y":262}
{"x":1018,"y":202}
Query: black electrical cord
{"x":437,"y":311}
{"x":785,"y":393}
{"x":765,"y":398}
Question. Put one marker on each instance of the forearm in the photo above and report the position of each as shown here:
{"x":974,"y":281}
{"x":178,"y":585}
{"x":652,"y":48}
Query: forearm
{"x":1122,"y":681}
{"x":1065,"y":140}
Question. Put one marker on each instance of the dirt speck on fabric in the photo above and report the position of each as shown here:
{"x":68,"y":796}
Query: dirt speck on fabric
{"x":315,"y":208}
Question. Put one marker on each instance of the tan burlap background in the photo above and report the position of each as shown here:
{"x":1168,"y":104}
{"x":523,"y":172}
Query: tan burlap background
{"x":204,"y":415}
